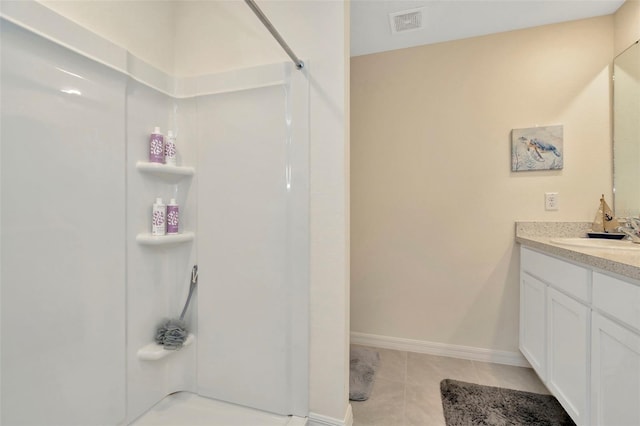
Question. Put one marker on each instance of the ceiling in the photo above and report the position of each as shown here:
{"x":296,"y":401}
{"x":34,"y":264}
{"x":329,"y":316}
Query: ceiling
{"x":445,"y":20}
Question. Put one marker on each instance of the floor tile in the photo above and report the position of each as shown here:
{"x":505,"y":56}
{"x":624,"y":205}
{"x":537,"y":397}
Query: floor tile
{"x":406,"y":391}
{"x":423,"y":406}
{"x":393,"y":365}
{"x":385,"y":406}
{"x":423,"y":369}
{"x":507,"y":376}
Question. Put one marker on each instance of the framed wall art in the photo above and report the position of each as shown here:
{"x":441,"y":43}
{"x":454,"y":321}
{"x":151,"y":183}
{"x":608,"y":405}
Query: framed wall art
{"x":537,"y":148}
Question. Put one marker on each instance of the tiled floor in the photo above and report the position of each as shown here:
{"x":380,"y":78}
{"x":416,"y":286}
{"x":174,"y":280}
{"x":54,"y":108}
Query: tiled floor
{"x":407,"y":387}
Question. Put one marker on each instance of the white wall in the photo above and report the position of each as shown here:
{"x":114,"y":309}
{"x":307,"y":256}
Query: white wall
{"x":223,"y":35}
{"x":318,"y":32}
{"x":157,"y":277}
{"x":145,"y":28}
{"x":253,"y":310}
{"x":63,"y":196}
{"x":433,"y":197}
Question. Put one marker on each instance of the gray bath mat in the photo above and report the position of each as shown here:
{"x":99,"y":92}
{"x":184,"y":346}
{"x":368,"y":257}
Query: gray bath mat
{"x":466,"y":404}
{"x":364,"y":363}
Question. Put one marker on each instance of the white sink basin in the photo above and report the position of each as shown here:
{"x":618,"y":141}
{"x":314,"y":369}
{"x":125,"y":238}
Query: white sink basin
{"x":597,"y":243}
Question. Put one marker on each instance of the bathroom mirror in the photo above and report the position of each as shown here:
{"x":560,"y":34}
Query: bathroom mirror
{"x":626,"y":132}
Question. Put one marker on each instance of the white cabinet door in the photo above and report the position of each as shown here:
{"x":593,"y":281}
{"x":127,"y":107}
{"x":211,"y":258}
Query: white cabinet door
{"x":533,"y":322}
{"x":615,"y":369}
{"x":568,"y":340}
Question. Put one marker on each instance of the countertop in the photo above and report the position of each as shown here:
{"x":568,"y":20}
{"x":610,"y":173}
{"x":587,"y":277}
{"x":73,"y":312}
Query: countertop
{"x":538,"y":236}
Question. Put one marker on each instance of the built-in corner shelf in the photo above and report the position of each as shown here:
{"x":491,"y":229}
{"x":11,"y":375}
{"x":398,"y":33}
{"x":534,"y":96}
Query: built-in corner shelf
{"x":156,"y":240}
{"x":164,"y":170}
{"x":154,"y":351}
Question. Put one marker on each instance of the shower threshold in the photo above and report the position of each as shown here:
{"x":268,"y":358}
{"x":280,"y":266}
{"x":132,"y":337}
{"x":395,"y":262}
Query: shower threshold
{"x":188,"y":409}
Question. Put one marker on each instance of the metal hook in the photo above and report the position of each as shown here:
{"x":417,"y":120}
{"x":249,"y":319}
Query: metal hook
{"x":194,"y":274}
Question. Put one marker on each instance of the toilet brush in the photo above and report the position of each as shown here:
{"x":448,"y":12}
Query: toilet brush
{"x":173,"y":333}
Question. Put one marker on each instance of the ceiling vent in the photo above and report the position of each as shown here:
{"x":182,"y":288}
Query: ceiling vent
{"x":406,"y":20}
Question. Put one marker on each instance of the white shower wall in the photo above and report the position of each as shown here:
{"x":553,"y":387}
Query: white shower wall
{"x":157,"y":276}
{"x":253,"y":227}
{"x":63,"y":235}
{"x":204,"y":48}
{"x":80,"y":296}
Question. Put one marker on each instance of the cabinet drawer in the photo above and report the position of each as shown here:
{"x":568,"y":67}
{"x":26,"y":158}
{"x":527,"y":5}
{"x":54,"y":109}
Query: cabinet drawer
{"x":617,"y":298}
{"x":565,"y":276}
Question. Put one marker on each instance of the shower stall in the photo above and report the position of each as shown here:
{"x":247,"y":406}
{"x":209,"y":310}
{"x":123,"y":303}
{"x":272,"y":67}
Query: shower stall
{"x":84,"y":284}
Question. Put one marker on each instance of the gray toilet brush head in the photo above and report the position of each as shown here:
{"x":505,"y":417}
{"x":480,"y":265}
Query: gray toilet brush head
{"x":172,"y":333}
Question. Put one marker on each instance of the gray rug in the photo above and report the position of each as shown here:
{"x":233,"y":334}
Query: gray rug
{"x":362,"y":371}
{"x":467,"y":404}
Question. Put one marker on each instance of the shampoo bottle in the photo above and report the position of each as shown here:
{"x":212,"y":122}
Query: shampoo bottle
{"x":170,"y":149}
{"x":156,"y":146}
{"x":158,"y":219}
{"x":173,"y":217}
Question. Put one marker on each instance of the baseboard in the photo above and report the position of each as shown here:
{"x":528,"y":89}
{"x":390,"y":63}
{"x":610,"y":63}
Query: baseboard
{"x":442,"y":349}
{"x":320,"y":420}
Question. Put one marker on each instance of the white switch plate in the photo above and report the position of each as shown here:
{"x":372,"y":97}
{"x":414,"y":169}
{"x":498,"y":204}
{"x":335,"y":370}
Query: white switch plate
{"x":551,"y":200}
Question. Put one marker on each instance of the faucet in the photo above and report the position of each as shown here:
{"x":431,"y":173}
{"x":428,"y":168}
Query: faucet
{"x":631,"y":229}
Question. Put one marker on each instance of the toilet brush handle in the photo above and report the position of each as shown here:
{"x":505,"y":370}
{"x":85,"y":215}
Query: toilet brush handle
{"x":192,"y":286}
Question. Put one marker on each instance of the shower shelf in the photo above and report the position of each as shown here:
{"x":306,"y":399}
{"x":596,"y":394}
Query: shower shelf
{"x":154,"y":351}
{"x":165,"y":171}
{"x":155,"y":240}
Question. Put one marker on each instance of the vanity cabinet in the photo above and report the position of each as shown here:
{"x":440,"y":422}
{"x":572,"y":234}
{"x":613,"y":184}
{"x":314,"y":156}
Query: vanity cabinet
{"x":580,"y":331}
{"x":554,"y":327}
{"x":615,"y":359}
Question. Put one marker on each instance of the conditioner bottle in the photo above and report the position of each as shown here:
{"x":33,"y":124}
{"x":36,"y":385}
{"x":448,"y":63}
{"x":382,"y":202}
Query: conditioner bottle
{"x":158,"y":218}
{"x":156,"y":146}
{"x":170,"y":149}
{"x":173,"y":217}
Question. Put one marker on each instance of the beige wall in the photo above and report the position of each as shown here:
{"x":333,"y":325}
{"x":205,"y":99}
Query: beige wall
{"x":627,"y":25}
{"x":217,"y":36}
{"x":146,"y":29}
{"x":223,"y":35}
{"x":433,"y":197}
